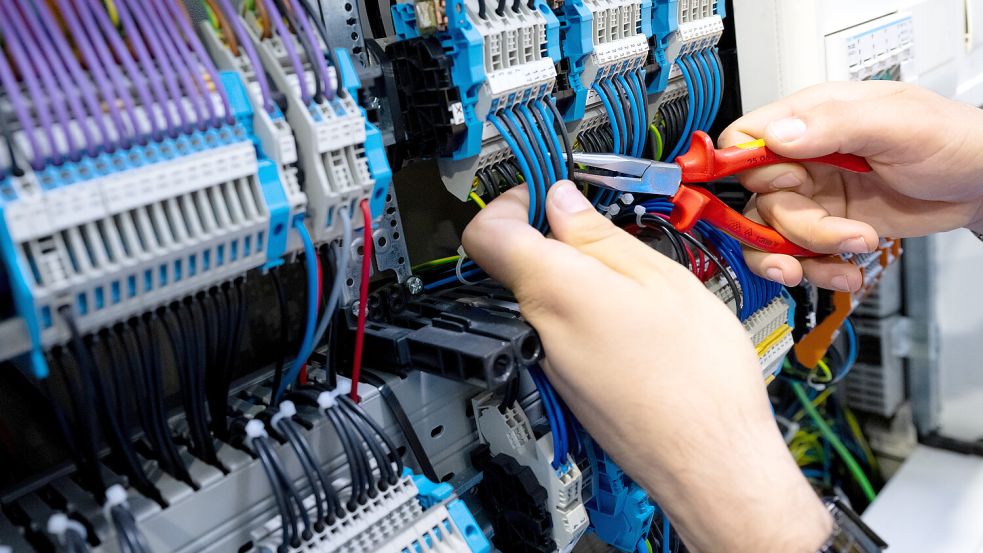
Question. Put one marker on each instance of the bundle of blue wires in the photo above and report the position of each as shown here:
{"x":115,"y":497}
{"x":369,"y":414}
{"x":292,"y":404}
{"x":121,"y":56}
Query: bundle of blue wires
{"x":563,"y":426}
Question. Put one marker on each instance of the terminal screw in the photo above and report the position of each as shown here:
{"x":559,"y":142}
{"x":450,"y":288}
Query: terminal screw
{"x":414,"y":284}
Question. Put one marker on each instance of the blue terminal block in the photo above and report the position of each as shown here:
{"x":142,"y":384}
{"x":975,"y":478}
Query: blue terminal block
{"x":665,"y":22}
{"x":375,"y":150}
{"x":620,"y":511}
{"x":274,"y":194}
{"x":432,"y":493}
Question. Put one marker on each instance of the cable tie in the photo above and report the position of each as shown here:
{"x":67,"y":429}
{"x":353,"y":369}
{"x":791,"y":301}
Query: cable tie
{"x":115,"y":495}
{"x":59,"y":524}
{"x":287,"y":410}
{"x":627,"y":198}
{"x":255,"y":429}
{"x":639,"y":211}
{"x":326,"y":400}
{"x":343,"y":387}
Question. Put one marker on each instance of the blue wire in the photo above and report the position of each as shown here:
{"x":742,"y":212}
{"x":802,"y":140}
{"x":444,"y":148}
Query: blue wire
{"x":451,"y":279}
{"x":852,"y":351}
{"x":537,"y":172}
{"x":718,"y":92}
{"x":523,"y":164}
{"x":699,"y":60}
{"x":611,"y":117}
{"x":715,"y":77}
{"x":553,"y":415}
{"x":701,"y":87}
{"x":547,"y":116}
{"x":666,"y":530}
{"x":619,"y":112}
{"x":307,"y":345}
{"x":637,"y":79}
{"x":636,"y":108}
{"x":541,"y":142}
{"x":684,"y":139}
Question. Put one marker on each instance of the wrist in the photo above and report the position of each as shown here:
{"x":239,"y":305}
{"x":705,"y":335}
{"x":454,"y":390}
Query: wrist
{"x":744,"y":497}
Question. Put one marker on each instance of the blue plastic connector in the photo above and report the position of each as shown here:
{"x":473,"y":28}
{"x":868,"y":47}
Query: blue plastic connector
{"x":620,"y":511}
{"x":432,"y":493}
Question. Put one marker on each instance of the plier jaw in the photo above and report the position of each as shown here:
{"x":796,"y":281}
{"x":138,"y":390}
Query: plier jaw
{"x":703,"y":163}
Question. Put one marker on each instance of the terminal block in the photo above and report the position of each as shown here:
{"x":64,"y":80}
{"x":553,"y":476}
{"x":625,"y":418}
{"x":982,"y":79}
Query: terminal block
{"x":619,"y":509}
{"x":507,"y":431}
{"x":116,"y":235}
{"x":501,"y":56}
{"x":413,"y":515}
{"x":340,"y":154}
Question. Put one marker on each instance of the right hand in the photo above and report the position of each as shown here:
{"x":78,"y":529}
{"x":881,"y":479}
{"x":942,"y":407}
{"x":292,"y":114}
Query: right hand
{"x":927,"y":156}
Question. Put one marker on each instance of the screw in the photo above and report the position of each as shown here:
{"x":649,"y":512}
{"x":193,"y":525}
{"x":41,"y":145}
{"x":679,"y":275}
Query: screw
{"x":355,"y":308}
{"x":414,"y":284}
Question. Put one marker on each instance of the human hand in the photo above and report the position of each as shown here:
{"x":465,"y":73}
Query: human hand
{"x":657,"y":369}
{"x":927,"y":173}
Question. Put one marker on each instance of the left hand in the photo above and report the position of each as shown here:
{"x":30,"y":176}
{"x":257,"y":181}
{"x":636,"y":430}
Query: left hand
{"x":656,"y":368}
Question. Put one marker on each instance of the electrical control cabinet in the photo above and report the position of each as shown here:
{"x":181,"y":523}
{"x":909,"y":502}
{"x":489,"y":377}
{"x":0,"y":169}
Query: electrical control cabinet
{"x":218,"y":331}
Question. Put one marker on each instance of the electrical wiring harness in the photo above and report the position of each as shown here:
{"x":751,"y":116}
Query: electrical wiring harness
{"x":112,"y":212}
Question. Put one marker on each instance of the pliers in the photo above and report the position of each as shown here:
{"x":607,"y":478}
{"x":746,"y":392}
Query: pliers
{"x":703,"y":163}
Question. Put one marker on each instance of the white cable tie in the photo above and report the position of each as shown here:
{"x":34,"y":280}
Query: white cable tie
{"x":115,"y":495}
{"x":627,"y":198}
{"x":287,"y":410}
{"x":457,"y":270}
{"x":255,"y":429}
{"x":639,"y":211}
{"x":59,"y":524}
{"x":326,"y":400}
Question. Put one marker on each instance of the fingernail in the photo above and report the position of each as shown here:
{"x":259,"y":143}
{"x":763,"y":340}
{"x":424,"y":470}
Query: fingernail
{"x":787,"y":180}
{"x":567,"y":198}
{"x":787,"y":130}
{"x":776,"y":275}
{"x":854,"y":245}
{"x":841,"y":283}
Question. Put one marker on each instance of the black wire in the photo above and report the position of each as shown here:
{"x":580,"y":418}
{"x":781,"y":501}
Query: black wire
{"x":482,"y":9}
{"x":378,"y":430}
{"x":354,"y":468}
{"x":608,"y":86}
{"x":515,"y":5}
{"x":288,"y":525}
{"x":197,"y":316}
{"x":539,"y":155}
{"x":171,"y":329}
{"x":386,"y":475}
{"x":333,"y":504}
{"x":85,"y":410}
{"x":670,"y":233}
{"x":564,"y":134}
{"x":136,"y":362}
{"x":309,"y":468}
{"x":514,"y":131}
{"x":511,"y":394}
{"x":500,"y":10}
{"x":405,"y":426}
{"x":630,"y":123}
{"x":126,"y":529}
{"x":546,"y":131}
{"x":284,"y":328}
{"x":293,"y":496}
{"x":74,"y":542}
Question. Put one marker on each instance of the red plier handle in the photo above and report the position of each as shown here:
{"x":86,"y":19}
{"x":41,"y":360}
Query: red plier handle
{"x":704,"y":163}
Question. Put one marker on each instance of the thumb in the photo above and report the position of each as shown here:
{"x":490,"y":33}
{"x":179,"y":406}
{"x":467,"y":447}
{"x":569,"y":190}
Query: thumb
{"x":864,"y":128}
{"x":574,"y":221}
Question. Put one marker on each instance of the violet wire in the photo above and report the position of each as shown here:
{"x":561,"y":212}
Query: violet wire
{"x":27,"y":75}
{"x":23,"y":115}
{"x":95,"y":68}
{"x":162,"y":89}
{"x":246,"y":42}
{"x":182,"y":64}
{"x":291,"y":51}
{"x":36,"y":53}
{"x":123,"y":54}
{"x":319,"y":63}
{"x":55,"y":64}
{"x":204,"y":58}
{"x":81,"y":80}
{"x":162,"y":63}
{"x":112,"y":69}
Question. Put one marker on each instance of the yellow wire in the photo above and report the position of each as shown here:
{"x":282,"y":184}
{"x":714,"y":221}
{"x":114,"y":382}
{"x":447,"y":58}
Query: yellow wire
{"x":658,"y":141}
{"x":827,"y":374}
{"x":113,"y":13}
{"x":477,"y":199}
{"x":820,"y":399}
{"x":648,"y":544}
{"x":435,"y":263}
{"x":851,"y":421}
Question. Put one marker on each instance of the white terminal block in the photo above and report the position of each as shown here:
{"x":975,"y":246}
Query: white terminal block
{"x":434,"y":532}
{"x":330,"y":138}
{"x":125,"y":243}
{"x":619,"y":45}
{"x":693,"y":10}
{"x":698,"y":35}
{"x":275,"y":135}
{"x":511,"y":434}
{"x":871,"y":49}
{"x":373,"y":525}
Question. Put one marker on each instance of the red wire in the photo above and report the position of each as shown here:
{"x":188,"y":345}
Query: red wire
{"x":363,"y":296}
